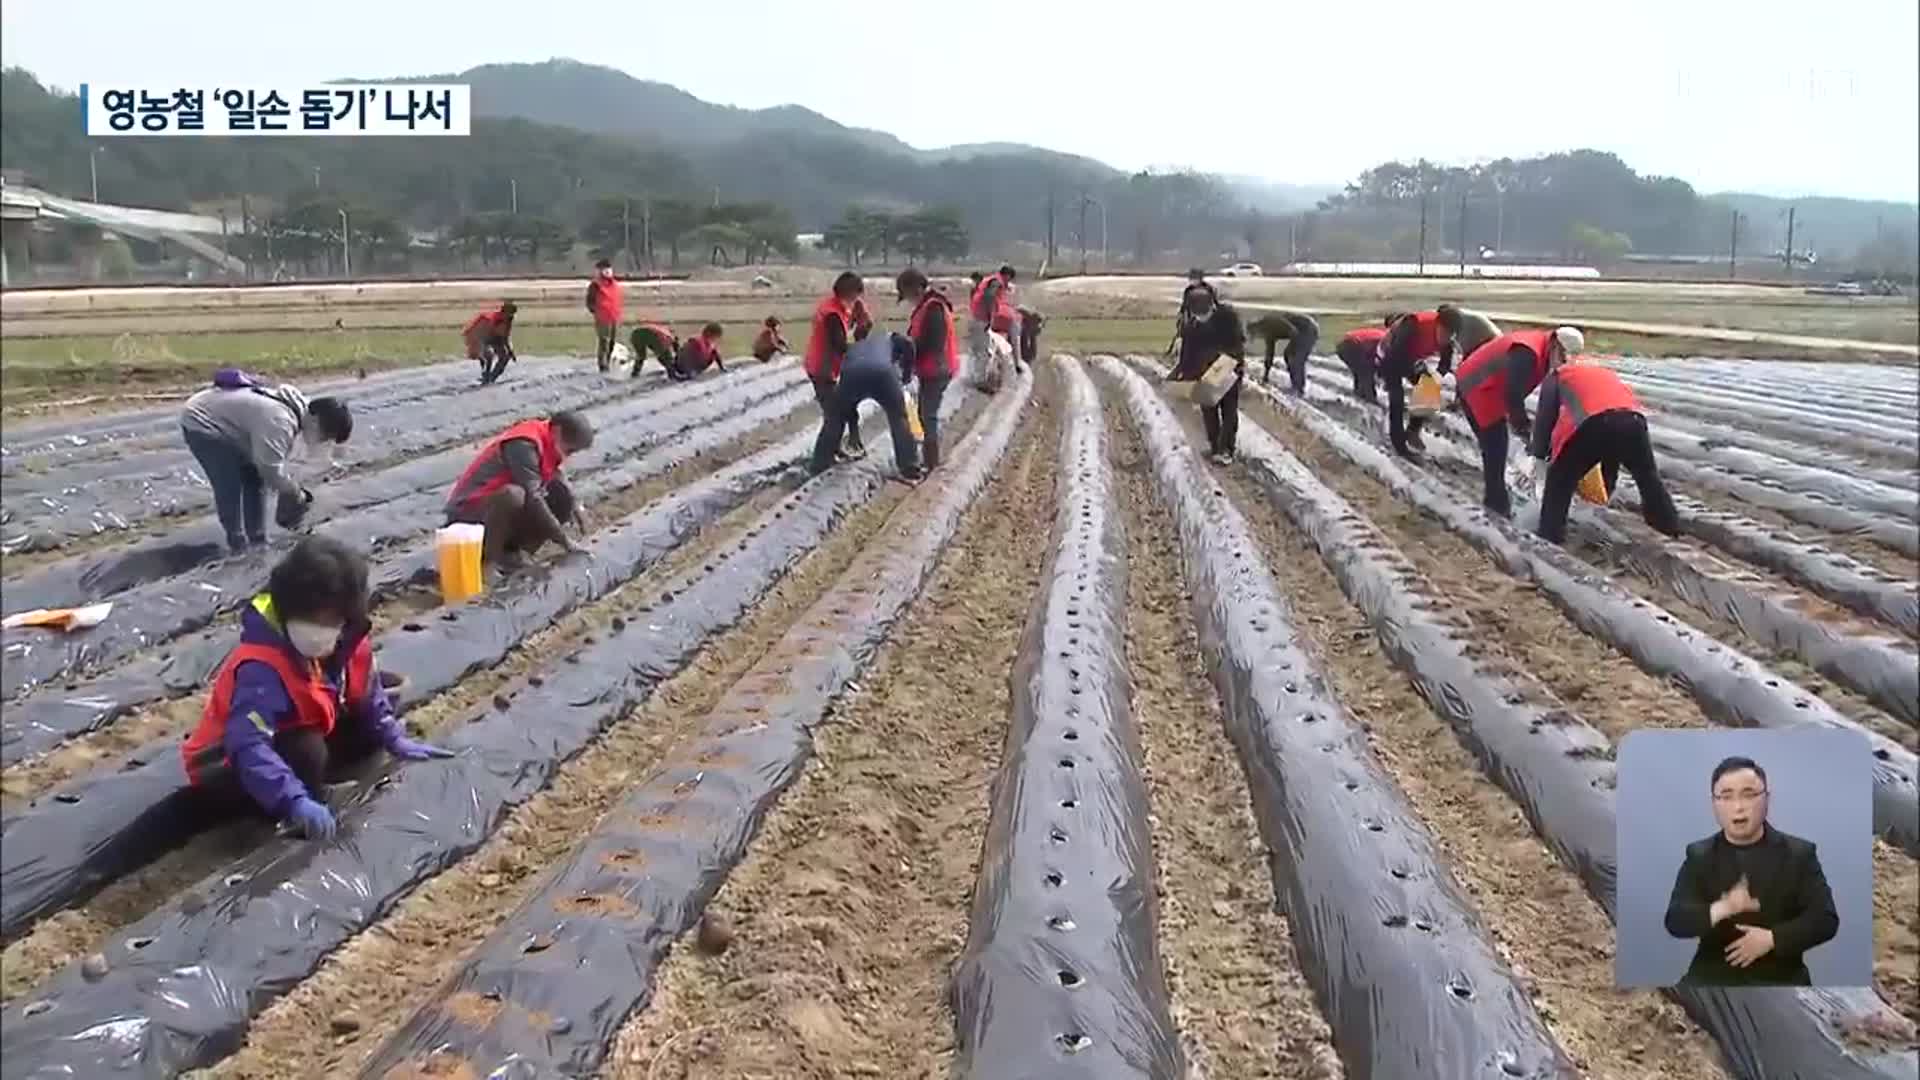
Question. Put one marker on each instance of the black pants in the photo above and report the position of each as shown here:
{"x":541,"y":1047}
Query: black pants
{"x":317,"y":760}
{"x":644,"y":341}
{"x":494,"y":355}
{"x":931,"y":391}
{"x":1359,"y":361}
{"x":1612,"y":440}
{"x":1223,"y":420}
{"x":823,"y":395}
{"x":512,"y":522}
{"x":1299,"y":348}
{"x":880,"y":384}
{"x":1493,"y":465}
{"x":1400,"y":426}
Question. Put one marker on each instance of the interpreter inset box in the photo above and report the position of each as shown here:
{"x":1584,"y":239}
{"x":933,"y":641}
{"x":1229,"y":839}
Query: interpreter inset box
{"x":1745,"y":859}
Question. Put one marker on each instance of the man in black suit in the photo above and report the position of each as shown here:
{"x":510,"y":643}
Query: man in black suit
{"x":1754,"y":896}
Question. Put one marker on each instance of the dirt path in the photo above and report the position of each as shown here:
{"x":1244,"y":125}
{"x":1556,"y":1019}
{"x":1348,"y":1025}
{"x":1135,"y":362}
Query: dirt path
{"x":1604,"y":687}
{"x":1239,"y":998}
{"x":850,"y":909}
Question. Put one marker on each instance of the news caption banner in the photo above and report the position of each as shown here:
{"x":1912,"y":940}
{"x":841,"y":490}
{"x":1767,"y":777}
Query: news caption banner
{"x":113,"y":109}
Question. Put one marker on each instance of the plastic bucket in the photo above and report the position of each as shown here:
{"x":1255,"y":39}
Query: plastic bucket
{"x":1425,"y":399}
{"x":1593,"y":487}
{"x":457,"y":549}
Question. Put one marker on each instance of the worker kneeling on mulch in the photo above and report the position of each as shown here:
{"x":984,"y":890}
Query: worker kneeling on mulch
{"x":515,"y":489}
{"x":298,"y":698}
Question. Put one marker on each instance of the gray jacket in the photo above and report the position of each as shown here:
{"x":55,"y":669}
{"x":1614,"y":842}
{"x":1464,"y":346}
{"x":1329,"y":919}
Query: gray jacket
{"x":262,"y":423}
{"x":1475,"y":330}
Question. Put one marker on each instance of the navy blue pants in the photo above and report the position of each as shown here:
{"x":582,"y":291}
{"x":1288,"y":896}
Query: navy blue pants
{"x":880,"y":384}
{"x":239,"y":494}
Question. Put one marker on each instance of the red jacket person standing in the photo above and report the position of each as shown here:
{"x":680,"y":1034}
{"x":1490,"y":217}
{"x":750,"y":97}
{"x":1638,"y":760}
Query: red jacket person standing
{"x":604,"y":303}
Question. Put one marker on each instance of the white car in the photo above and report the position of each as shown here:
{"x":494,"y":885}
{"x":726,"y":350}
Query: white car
{"x":1242,"y":270}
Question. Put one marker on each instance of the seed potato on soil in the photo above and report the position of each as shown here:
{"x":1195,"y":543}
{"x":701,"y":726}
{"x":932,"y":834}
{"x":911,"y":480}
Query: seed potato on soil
{"x":1591,"y":678}
{"x":850,"y":909}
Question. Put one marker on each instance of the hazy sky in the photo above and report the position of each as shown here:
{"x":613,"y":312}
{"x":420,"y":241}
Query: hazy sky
{"x":1772,"y":96}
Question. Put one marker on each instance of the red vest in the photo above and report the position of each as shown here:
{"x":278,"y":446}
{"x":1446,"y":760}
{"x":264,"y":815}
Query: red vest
{"x":1367,"y":337}
{"x":1001,"y":317}
{"x":702,"y":353}
{"x":1587,"y":390}
{"x":543,"y":436}
{"x":933,"y":305}
{"x":1426,"y":334}
{"x":607,"y":300}
{"x":315,"y":704}
{"x":1481,"y":380}
{"x":821,"y":361}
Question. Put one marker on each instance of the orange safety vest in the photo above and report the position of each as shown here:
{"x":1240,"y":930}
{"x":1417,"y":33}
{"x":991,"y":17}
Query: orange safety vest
{"x":1587,"y":390}
{"x":821,"y":362}
{"x":543,"y":436}
{"x":1426,"y":334}
{"x":931,"y":367}
{"x":1481,"y":382}
{"x":1001,"y":317}
{"x":315,"y":704}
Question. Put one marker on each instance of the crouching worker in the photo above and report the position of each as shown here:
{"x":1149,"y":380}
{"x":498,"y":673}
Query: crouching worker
{"x":871,"y":373}
{"x":657,"y":339}
{"x":1493,"y":385}
{"x":1402,"y":361}
{"x":489,"y":339}
{"x":245,"y":436}
{"x":1031,"y":323}
{"x":1588,"y":417}
{"x":936,"y":354}
{"x":299,"y":699}
{"x":514,"y":488}
{"x":702,"y":351}
{"x":768,"y":343}
{"x":1300,"y":331}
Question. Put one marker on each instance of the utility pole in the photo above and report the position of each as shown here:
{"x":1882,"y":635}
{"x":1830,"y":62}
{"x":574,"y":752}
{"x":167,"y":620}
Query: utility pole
{"x":513,"y":196}
{"x":226,"y":263}
{"x":1733,"y":247}
{"x":646,"y":231}
{"x":1790,"y":243}
{"x":1420,"y":265}
{"x":346,"y":260}
{"x":626,"y":232}
{"x":316,"y":178}
{"x":1050,"y":245}
{"x":246,"y":232}
{"x":93,"y":171}
{"x":1463,"y":234}
{"x":1499,"y":220}
{"x":1085,"y":200}
{"x":1293,"y":240}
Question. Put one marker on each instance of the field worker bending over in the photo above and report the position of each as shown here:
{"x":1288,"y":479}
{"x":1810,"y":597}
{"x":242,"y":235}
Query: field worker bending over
{"x":1493,"y":385}
{"x":298,"y":698}
{"x":1301,"y":333}
{"x":991,"y":309}
{"x":1360,"y":351}
{"x":245,"y":435}
{"x":702,"y":351}
{"x":1589,"y":417}
{"x":603,"y":303}
{"x":1213,"y":330}
{"x":1031,"y":323}
{"x":1402,"y":360}
{"x":515,"y":489}
{"x":936,"y":354}
{"x":768,"y":343}
{"x":1475,"y":330}
{"x":872,"y":373}
{"x":657,"y":339}
{"x":838,"y":321}
{"x":488,"y":337}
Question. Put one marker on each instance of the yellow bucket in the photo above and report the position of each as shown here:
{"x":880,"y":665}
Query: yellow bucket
{"x":913,"y":419}
{"x":457,"y":548}
{"x":1425,"y":399}
{"x":1593,"y":487}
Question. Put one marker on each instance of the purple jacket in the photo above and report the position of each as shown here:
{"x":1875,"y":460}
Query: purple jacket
{"x":264,"y":775}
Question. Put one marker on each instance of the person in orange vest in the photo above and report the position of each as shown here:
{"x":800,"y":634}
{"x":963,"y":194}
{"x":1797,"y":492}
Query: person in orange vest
{"x":514,"y":488}
{"x":768,"y":343}
{"x":488,"y":338}
{"x":1493,"y":386}
{"x":702,"y":351}
{"x":657,"y":339}
{"x":1358,"y":350}
{"x":839,"y":320}
{"x":604,"y":303}
{"x":1589,"y":416}
{"x":936,"y":354}
{"x":991,"y":308}
{"x":1402,"y":360}
{"x":298,"y":698}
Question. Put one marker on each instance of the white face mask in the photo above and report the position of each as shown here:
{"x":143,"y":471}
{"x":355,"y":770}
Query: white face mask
{"x":315,"y":641}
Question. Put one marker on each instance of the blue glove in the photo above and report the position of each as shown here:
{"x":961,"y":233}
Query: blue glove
{"x":310,"y":819}
{"x":411,"y":750}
